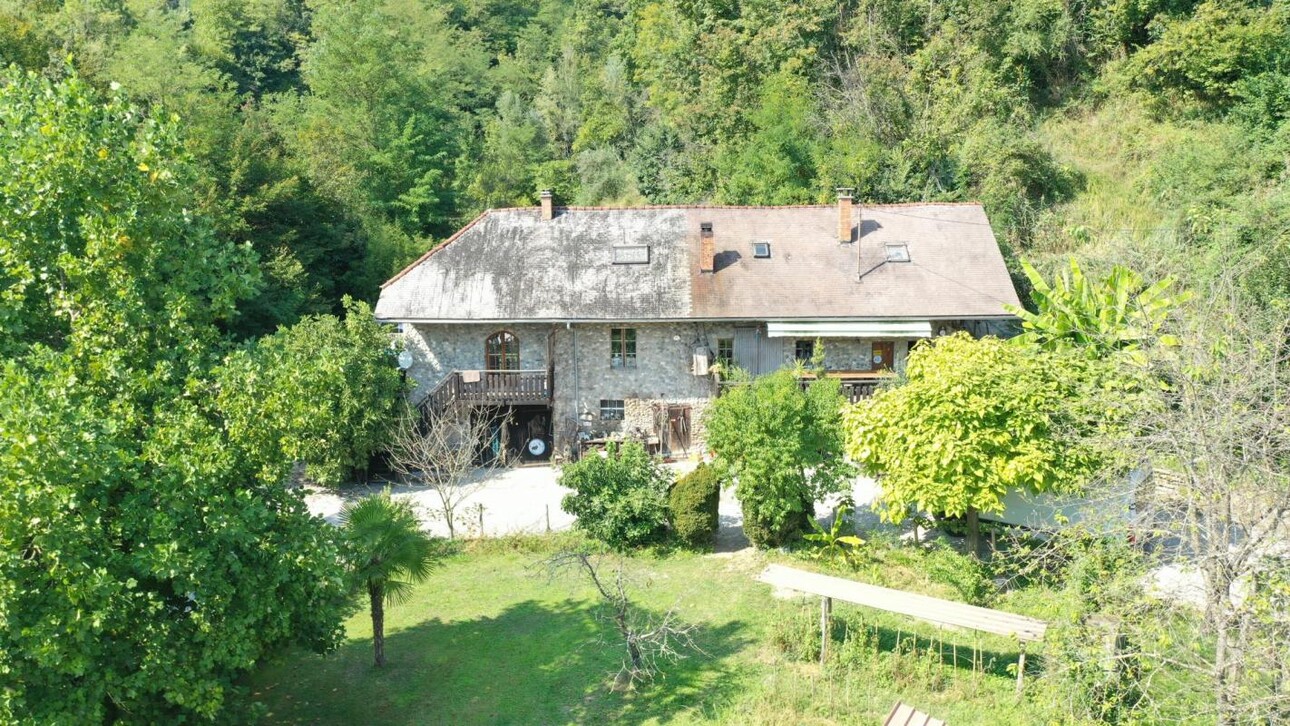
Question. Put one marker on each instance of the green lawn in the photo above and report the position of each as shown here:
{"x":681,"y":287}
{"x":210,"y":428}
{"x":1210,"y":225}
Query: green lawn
{"x":489,"y":639}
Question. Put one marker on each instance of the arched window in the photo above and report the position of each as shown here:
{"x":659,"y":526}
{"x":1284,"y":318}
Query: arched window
{"x":502,"y":352}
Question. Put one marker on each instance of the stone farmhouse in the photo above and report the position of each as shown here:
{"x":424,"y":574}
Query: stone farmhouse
{"x":585,"y":324}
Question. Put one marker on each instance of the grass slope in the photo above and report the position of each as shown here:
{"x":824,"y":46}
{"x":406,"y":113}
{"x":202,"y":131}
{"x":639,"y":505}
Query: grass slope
{"x":490,"y":640}
{"x":1194,"y":198}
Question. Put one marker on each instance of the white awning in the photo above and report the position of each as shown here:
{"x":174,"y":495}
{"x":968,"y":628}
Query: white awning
{"x":849,"y":329}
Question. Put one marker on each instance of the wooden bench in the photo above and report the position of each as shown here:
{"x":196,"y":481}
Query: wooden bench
{"x":905,"y":715}
{"x":922,"y":607}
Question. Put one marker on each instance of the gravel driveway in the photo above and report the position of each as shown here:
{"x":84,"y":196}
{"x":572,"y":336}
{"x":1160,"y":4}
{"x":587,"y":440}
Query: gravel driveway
{"x":515,"y":500}
{"x":527,"y":499}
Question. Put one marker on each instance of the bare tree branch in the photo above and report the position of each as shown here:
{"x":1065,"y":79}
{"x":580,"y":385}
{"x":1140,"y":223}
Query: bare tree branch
{"x":649,"y":642}
{"x":447,"y":453}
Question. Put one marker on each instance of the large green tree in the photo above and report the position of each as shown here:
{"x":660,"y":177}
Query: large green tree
{"x":325,"y":391}
{"x":100,"y":239}
{"x":973,"y":419}
{"x":147,"y":558}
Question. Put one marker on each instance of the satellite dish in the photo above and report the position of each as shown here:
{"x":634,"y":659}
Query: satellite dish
{"x":405,"y":360}
{"x":537,"y":447}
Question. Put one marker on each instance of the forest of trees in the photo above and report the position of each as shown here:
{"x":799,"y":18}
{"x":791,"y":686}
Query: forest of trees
{"x":192,"y":192}
{"x":341,"y":138}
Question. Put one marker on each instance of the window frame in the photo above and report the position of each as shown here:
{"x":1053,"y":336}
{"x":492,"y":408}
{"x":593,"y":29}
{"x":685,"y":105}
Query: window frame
{"x":726,"y":357}
{"x":622,"y":347}
{"x":898,"y":253}
{"x":613,"y":409}
{"x":509,"y":347}
{"x":797,"y":350}
{"x":759,"y":244}
{"x":630,"y":255}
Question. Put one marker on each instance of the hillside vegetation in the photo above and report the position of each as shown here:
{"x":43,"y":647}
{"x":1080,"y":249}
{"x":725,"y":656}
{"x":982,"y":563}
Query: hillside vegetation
{"x":342,"y":137}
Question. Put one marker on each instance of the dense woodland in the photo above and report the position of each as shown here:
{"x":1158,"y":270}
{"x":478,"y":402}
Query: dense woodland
{"x":341,"y":139}
{"x":200,"y":198}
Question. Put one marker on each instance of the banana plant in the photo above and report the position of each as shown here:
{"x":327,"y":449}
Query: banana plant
{"x":1117,"y":313}
{"x":833,"y":545}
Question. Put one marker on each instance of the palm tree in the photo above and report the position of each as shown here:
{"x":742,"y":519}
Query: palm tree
{"x":389,"y":554}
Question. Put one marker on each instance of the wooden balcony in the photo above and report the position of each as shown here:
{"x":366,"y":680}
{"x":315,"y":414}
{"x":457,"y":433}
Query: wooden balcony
{"x":490,"y":388}
{"x":856,"y":385}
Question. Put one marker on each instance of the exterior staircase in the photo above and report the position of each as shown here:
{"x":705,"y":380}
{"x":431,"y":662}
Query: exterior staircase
{"x":488,"y":388}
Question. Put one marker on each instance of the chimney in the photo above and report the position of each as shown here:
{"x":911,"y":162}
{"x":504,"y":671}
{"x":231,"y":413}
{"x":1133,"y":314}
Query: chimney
{"x":548,"y":205}
{"x":707,"y":248}
{"x":844,"y":214}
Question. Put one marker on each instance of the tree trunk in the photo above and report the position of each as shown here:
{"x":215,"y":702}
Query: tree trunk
{"x":973,"y":533}
{"x":377,"y":595}
{"x":633,"y":651}
{"x":1223,"y":684}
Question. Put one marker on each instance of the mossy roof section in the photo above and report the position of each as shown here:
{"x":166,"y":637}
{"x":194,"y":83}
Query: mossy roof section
{"x":511,"y":265}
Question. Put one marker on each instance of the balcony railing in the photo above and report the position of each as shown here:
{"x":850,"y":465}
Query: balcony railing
{"x":856,"y":385}
{"x":490,"y":388}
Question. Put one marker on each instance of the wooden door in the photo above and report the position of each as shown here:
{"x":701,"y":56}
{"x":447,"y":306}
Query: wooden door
{"x":678,"y":428}
{"x":883,"y":355}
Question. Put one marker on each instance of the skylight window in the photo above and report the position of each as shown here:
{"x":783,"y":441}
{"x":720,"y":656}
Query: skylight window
{"x":761,"y":250}
{"x":898,"y":253}
{"x":631,"y":255}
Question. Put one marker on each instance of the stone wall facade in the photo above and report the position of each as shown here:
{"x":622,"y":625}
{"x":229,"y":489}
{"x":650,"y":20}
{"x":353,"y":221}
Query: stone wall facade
{"x":579,"y":355}
{"x":663,"y":376}
{"x":440,"y":349}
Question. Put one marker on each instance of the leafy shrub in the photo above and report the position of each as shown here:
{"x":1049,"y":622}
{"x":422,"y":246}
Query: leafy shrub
{"x":967,"y":575}
{"x":1202,"y":57}
{"x":619,"y":499}
{"x":325,"y":391}
{"x":692,"y":505}
{"x":785,"y":446}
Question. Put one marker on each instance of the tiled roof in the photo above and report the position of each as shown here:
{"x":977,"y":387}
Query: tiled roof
{"x":511,"y":265}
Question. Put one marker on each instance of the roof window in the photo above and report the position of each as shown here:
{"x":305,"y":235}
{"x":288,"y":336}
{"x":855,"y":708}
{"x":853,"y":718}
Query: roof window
{"x":761,"y":250}
{"x":631,"y":255}
{"x":898,"y":252}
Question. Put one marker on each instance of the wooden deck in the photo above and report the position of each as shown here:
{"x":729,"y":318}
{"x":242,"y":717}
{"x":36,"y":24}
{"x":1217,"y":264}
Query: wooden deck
{"x":856,"y":385}
{"x":490,"y":388}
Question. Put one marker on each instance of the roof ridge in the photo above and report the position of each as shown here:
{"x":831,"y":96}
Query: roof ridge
{"x":640,"y":207}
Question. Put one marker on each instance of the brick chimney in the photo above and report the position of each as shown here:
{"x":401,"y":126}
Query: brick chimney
{"x":707,"y":248}
{"x":548,"y":205}
{"x":844,"y":214}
